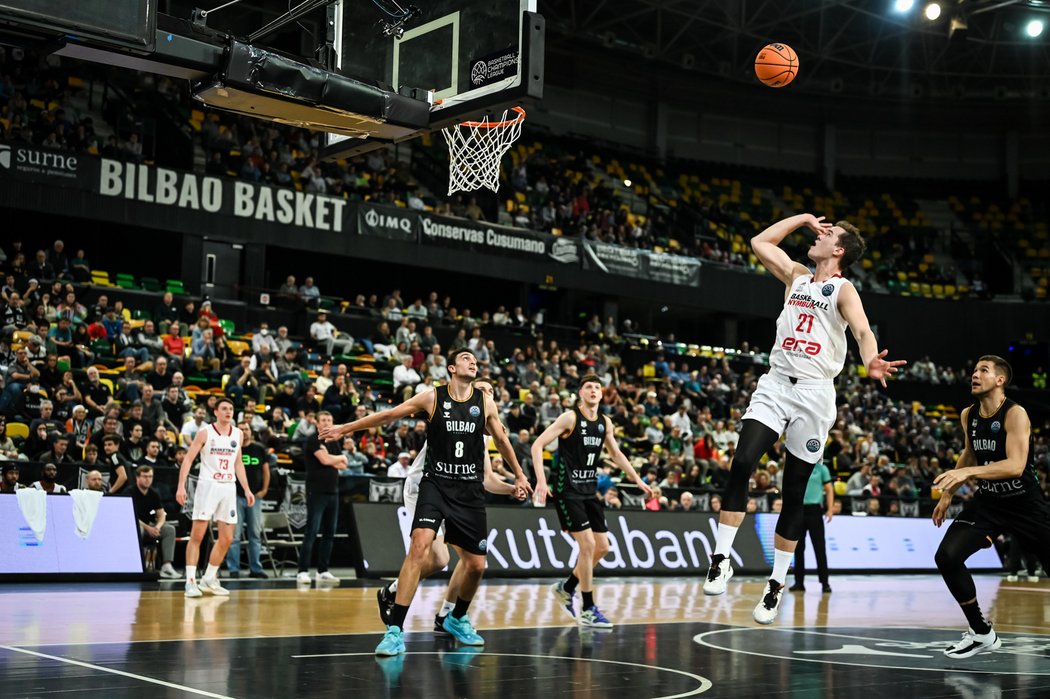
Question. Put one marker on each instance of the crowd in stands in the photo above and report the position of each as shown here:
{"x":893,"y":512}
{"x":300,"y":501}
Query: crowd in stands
{"x":112,"y":387}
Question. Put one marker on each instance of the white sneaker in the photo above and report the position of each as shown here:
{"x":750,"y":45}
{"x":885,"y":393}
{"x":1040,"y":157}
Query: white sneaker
{"x":303,"y":578}
{"x":766,"y":610}
{"x":1033,"y":578}
{"x":972,"y":644}
{"x":718,"y":575}
{"x":326,"y":577}
{"x":212,"y":587}
{"x":1012,"y":577}
{"x":167,"y":571}
{"x":192,"y":590}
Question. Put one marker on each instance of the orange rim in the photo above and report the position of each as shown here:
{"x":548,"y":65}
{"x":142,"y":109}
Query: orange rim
{"x":497,"y":124}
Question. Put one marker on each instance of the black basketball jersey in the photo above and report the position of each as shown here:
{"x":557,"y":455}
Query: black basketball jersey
{"x":456,"y":445}
{"x":575,"y":466}
{"x":988,"y":441}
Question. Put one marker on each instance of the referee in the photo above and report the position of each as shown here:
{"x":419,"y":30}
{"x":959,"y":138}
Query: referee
{"x":819,"y":496}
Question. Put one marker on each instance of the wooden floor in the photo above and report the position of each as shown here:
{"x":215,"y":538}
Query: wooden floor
{"x":874,"y":634}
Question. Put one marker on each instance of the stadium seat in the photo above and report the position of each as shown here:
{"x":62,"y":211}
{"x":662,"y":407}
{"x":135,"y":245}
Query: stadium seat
{"x":126,"y":281}
{"x":17,"y":430}
{"x":151,"y":284}
{"x":175,"y":286}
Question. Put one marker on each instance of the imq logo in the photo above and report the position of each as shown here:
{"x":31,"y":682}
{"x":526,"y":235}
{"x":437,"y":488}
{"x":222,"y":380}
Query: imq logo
{"x":377,"y":220}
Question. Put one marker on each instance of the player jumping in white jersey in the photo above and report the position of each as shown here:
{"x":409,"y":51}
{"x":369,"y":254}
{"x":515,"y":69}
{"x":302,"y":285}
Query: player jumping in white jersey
{"x":438,"y":557}
{"x":219,"y":446}
{"x":797,"y":396}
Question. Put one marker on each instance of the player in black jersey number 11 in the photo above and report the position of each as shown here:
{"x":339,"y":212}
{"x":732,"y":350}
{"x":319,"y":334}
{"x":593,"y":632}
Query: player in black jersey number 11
{"x":581,"y":434}
{"x":998,"y":454}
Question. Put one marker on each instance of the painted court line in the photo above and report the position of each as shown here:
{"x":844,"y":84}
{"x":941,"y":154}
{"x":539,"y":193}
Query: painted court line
{"x":705,"y":684}
{"x":112,"y":671}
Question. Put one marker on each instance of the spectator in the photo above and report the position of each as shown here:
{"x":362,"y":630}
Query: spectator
{"x":405,"y":378}
{"x":249,"y":519}
{"x":152,"y":520}
{"x":115,"y":461}
{"x":93,"y":480}
{"x":309,"y":293}
{"x":10,"y":483}
{"x":326,"y":335}
{"x":399,"y":469}
{"x":192,"y":427}
{"x":355,"y":460}
{"x":165,"y":313}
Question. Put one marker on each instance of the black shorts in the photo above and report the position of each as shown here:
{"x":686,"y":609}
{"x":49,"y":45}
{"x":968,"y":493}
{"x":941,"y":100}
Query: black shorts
{"x":465,"y":527}
{"x":1027,"y":518}
{"x":577,"y":515}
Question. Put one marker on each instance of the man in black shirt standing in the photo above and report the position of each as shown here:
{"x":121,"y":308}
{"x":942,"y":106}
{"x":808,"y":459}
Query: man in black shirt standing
{"x":257,"y":469}
{"x":152,"y":519}
{"x":324,"y":461}
{"x":1009,"y":499}
{"x":451,"y":491}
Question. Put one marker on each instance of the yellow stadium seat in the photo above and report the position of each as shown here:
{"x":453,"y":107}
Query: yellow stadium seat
{"x":17,"y":429}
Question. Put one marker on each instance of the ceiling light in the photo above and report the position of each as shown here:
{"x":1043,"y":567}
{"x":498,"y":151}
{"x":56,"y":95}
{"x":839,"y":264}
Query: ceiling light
{"x":1034,"y":28}
{"x":933,"y":11}
{"x":903,"y":5}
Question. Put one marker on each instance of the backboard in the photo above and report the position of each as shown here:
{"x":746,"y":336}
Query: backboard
{"x":473,"y":56}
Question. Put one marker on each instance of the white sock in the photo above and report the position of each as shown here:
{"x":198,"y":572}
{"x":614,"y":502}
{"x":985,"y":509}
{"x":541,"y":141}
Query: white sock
{"x":724,"y":539}
{"x":446,"y":608}
{"x":781,"y":563}
{"x":392,"y":587}
{"x":211,"y":572}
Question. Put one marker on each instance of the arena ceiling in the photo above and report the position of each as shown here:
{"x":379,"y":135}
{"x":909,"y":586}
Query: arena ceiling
{"x":975,"y":49}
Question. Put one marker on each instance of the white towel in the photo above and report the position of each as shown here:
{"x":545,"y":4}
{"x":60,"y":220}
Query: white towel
{"x":85,"y":507}
{"x":33,"y":504}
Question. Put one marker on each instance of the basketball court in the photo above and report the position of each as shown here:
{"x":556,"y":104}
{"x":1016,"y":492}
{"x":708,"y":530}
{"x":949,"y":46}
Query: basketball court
{"x":872,"y":634}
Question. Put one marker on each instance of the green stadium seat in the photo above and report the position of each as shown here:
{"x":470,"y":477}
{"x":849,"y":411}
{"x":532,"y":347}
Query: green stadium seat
{"x":175,"y":286}
{"x":227,"y":326}
{"x":151,"y":284}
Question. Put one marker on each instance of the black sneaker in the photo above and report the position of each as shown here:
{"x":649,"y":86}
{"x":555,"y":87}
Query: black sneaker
{"x":233,"y":574}
{"x":826,"y":589}
{"x":261,"y":575}
{"x":439,"y":626}
{"x":797,"y":587}
{"x":386,"y":604}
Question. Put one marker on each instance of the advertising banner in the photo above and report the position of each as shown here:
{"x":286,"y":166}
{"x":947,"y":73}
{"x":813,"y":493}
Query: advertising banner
{"x":526,"y":541}
{"x":388,"y":222}
{"x":478,"y":236}
{"x":529,"y":541}
{"x":613,"y":259}
{"x":673,"y":269}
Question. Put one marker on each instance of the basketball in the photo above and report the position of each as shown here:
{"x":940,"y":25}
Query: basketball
{"x":776,"y":65}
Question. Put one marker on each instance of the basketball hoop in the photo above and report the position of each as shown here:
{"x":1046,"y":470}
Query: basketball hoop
{"x":475,"y":149}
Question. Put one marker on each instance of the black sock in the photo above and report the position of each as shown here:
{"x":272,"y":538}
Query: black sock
{"x":397,"y":616}
{"x":571,"y":583}
{"x":977,"y":621}
{"x":588,"y":599}
{"x":460,"y":609}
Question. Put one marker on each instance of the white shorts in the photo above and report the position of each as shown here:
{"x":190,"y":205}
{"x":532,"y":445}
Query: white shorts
{"x":411,"y":496}
{"x":804,"y":412}
{"x":216,"y":501}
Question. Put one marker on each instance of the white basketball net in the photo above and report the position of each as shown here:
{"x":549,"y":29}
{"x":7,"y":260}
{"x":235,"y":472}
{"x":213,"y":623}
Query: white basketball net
{"x":475,"y":149}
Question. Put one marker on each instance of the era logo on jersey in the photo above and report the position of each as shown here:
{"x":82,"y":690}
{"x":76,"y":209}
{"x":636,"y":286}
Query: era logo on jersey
{"x":792,"y":344}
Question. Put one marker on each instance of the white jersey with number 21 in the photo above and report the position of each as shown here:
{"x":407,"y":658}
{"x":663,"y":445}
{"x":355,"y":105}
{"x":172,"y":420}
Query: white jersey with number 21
{"x":811,"y":333}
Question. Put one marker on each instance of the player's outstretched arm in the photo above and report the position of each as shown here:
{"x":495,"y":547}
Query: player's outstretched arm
{"x":563,"y":424}
{"x":421,"y":402}
{"x":851,"y":308}
{"x":767,"y":245}
{"x":187,"y":463}
{"x":622,"y":461}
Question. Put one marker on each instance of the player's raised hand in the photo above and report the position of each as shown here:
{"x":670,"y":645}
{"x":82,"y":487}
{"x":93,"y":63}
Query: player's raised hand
{"x":879,"y":368}
{"x":817,"y":224}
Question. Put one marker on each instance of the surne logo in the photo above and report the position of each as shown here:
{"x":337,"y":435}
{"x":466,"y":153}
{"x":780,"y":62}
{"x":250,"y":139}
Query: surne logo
{"x":792,"y":344}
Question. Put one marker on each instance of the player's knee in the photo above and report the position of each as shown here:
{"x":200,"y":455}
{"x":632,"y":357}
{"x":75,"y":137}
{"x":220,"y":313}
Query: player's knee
{"x":944,"y":559}
{"x":601,"y":547}
{"x":474,"y":565}
{"x":789,"y":525}
{"x":586,"y":544}
{"x":439,"y":557}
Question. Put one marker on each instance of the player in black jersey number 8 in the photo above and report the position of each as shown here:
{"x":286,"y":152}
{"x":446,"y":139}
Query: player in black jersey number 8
{"x":998,"y":439}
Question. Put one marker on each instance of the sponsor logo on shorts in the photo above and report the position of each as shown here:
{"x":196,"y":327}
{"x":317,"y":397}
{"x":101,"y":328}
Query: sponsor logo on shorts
{"x":827,"y":289}
{"x":996,"y":426}
{"x":475,"y":411}
{"x":483,"y":545}
{"x":813,"y":446}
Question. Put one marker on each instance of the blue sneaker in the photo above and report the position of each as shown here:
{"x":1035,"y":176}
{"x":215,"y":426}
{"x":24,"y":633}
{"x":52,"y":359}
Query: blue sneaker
{"x":564,"y":597}
{"x":462,"y":631}
{"x":393,"y":642}
{"x":593,"y":617}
